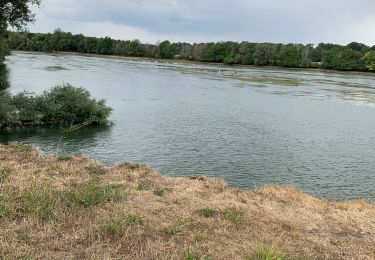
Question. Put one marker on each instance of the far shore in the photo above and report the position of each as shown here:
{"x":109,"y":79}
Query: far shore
{"x":183,"y":61}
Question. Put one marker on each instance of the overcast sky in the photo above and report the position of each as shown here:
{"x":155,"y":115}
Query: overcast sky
{"x":285,"y":21}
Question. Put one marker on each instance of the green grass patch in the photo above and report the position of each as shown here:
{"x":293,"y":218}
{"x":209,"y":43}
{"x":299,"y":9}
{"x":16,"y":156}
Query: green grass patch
{"x":159,"y":192}
{"x":196,"y":255}
{"x":267,"y":253}
{"x":144,"y":185}
{"x":92,"y":193}
{"x":65,"y":158}
{"x":178,"y":227}
{"x":115,"y":227}
{"x":235,"y":216}
{"x":4,"y":212}
{"x":199,"y":236}
{"x":25,"y":150}
{"x":40,"y":202}
{"x":96,"y":170}
{"x":207,"y":212}
{"x":4,"y":173}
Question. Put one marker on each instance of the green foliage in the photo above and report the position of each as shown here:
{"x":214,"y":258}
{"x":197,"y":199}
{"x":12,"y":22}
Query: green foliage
{"x":342,"y":58}
{"x":234,"y":216}
{"x":291,"y":55}
{"x":40,"y":202}
{"x":69,"y":105}
{"x":217,"y":52}
{"x":144,"y":185}
{"x":231,"y":59}
{"x":369,"y":60}
{"x":265,"y":54}
{"x":4,"y":212}
{"x":207,"y":212}
{"x":4,"y":83}
{"x":4,"y":48}
{"x":347,"y":59}
{"x":4,"y":173}
{"x":16,"y":13}
{"x":195,"y":255}
{"x":8,"y":115}
{"x":325,"y":55}
{"x":199,"y":236}
{"x":116,"y":226}
{"x":62,"y":105}
{"x":267,"y":253}
{"x":167,"y":50}
{"x":159,"y":192}
{"x":96,"y":170}
{"x":92,"y":193}
{"x":178,"y":227}
{"x":26,"y":107}
{"x":356,"y":46}
{"x":105,"y":46}
{"x":65,"y":158}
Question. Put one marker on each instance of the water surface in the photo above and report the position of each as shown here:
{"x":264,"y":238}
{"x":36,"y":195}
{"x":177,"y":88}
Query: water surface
{"x":251,"y":126}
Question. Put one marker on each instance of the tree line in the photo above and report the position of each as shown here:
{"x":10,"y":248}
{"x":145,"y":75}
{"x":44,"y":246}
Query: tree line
{"x":354,"y":56}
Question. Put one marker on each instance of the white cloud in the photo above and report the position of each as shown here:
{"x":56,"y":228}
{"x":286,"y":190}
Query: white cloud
{"x":338,"y":21}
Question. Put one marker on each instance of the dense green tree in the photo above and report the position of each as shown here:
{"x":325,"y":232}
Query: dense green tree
{"x":369,"y":60}
{"x":4,"y":83}
{"x":4,"y":49}
{"x":167,"y":50}
{"x":184,"y":50}
{"x":105,"y":46}
{"x":91,"y":45}
{"x":57,"y":40}
{"x":16,"y":13}
{"x":136,"y":49}
{"x":290,"y":55}
{"x":356,"y":46}
{"x":245,"y":52}
{"x":348,"y":59}
{"x":217,"y":52}
{"x":265,"y":54}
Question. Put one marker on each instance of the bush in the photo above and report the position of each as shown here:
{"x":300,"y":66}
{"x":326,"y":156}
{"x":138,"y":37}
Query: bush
{"x":69,"y":105}
{"x":62,"y":105}
{"x":4,"y":82}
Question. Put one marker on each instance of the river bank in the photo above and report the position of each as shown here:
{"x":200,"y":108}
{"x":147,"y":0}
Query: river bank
{"x":194,"y":62}
{"x":71,"y":207}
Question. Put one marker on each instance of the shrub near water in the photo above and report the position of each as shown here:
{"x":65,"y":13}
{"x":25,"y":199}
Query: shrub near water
{"x":62,"y":105}
{"x":69,"y":105}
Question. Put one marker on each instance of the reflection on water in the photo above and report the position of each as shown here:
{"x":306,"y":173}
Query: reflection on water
{"x":55,"y":68}
{"x":56,"y":139}
{"x":251,"y":126}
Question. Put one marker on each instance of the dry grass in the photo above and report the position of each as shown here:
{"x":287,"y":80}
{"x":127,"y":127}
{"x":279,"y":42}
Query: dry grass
{"x":73,"y":208}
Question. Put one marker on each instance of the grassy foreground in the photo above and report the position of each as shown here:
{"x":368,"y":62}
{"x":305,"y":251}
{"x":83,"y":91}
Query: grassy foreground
{"x":74,"y":208}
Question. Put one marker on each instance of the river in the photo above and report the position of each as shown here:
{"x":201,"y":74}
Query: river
{"x":313,"y":130}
